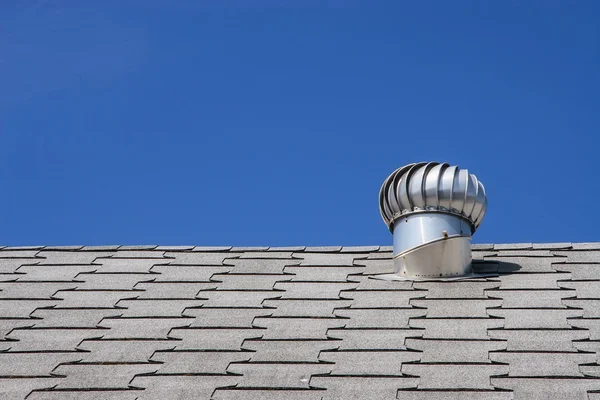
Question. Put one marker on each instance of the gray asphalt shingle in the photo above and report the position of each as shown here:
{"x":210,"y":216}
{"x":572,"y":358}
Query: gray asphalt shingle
{"x":156,"y":322}
{"x":360,"y":362}
{"x":362,"y":387}
{"x":454,"y":376}
{"x":288,"y":350}
{"x":284,"y":375}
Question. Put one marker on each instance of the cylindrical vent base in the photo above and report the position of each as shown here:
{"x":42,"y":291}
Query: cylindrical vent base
{"x":432,"y":245}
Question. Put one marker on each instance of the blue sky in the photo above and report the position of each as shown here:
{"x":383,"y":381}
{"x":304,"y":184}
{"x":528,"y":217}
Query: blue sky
{"x":275,"y":122}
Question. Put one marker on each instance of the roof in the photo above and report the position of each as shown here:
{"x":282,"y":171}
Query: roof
{"x":157,"y":322}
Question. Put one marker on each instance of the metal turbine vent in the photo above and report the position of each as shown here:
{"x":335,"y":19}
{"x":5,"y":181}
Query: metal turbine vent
{"x":432,"y":209}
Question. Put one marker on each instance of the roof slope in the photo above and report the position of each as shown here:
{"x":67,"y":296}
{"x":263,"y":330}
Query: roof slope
{"x":296,"y":323}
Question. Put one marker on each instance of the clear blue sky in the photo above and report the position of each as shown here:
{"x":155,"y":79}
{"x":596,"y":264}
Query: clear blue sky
{"x":217,"y":122}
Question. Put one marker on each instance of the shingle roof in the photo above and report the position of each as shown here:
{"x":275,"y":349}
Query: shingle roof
{"x":157,"y":322}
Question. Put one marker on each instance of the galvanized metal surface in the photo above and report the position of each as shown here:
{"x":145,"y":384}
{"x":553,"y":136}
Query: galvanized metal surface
{"x":414,"y":230}
{"x":432,"y":210}
{"x":432,"y":187}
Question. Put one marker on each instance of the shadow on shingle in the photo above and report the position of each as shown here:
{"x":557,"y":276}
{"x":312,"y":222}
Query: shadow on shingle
{"x":491,"y":267}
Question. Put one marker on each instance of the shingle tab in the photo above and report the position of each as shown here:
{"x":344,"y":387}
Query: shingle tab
{"x":161,"y":387}
{"x":85,"y":394}
{"x":237,"y":298}
{"x":381,"y":298}
{"x":214,"y":339}
{"x":379,"y":318}
{"x":377,"y":266}
{"x":93,"y":298}
{"x":456,"y":328}
{"x":286,"y":375}
{"x":592,"y":346}
{"x":70,"y":257}
{"x":226,"y":317}
{"x":323,"y":249}
{"x":139,"y":254}
{"x":23,"y":308}
{"x":122,"y":351}
{"x":10,"y":265}
{"x":580,"y":271}
{"x":546,"y":298}
{"x":535,"y":318}
{"x":592,"y":324}
{"x":359,"y":249}
{"x":261,"y":266}
{"x":267,"y":255}
{"x":589,"y":256}
{"x":450,"y":308}
{"x":373,"y":339}
{"x":200,"y":258}
{"x":532,"y":281}
{"x":513,"y":246}
{"x":174,"y":248}
{"x":287,"y":248}
{"x":525,"y":253}
{"x":49,"y":273}
{"x":525,"y":264}
{"x":10,"y":253}
{"x":130,"y":266}
{"x":33,"y":290}
{"x":454,"y":351}
{"x":454,"y":376}
{"x":288,"y":350}
{"x":17,"y":389}
{"x":583,"y":289}
{"x":361,"y":362}
{"x":362,"y":387}
{"x":298,"y":328}
{"x":380,"y":255}
{"x":173,"y":290}
{"x":323,"y":274}
{"x":305,"y":308}
{"x":212,"y":248}
{"x":33,"y":364}
{"x":73,"y":318}
{"x":267,"y":394}
{"x":53,"y":339}
{"x":87,"y":376}
{"x":250,"y":248}
{"x":371,"y":283}
{"x":249,"y":282}
{"x":543,"y":388}
{"x":586,"y":246}
{"x":553,"y":246}
{"x":325,"y":259}
{"x":590,"y":370}
{"x":471,"y":289}
{"x":542,"y":364}
{"x":198,"y":362}
{"x":591,"y":307}
{"x":141,"y":328}
{"x":138,"y":247}
{"x":113,"y":247}
{"x":169,"y":273}
{"x":111,"y":281}
{"x":313,"y":290}
{"x":454,"y":395}
{"x":7,"y":325}
{"x":157,"y":308}
{"x":539,"y":339}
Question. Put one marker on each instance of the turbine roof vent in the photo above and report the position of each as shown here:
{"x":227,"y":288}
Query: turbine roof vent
{"x":432,"y":209}
{"x":432,"y":186}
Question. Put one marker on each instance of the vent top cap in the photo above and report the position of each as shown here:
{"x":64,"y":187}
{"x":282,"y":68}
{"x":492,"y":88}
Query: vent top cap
{"x":432,"y":187}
